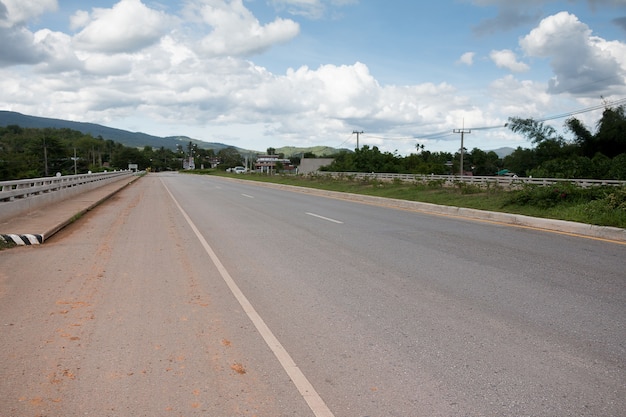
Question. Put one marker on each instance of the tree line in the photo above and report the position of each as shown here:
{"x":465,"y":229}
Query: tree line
{"x":33,"y":153}
{"x":594,"y":155}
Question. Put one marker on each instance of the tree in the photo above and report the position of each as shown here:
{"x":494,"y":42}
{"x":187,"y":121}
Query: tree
{"x":534,"y":130}
{"x":229,"y":157}
{"x":611,"y":135}
{"x":521,"y":161}
{"x":584,"y":139}
{"x":588,"y":155}
{"x":483,"y":163}
{"x":122,"y":156}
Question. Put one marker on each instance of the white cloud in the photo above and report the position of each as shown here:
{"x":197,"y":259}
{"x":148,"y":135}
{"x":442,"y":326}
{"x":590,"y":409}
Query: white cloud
{"x":18,"y":44}
{"x":467,"y":59}
{"x":519,"y":98}
{"x":235,"y":31}
{"x":579,"y":60}
{"x":17,"y":47}
{"x":516,"y":13}
{"x":312,"y":9}
{"x":79,"y":19}
{"x":127,"y":27}
{"x":507,"y":59}
{"x":58,"y":50}
{"x":18,"y":12}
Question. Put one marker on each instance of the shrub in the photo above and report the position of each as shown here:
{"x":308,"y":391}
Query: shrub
{"x":467,"y":188}
{"x":607,"y":211}
{"x":436,"y":184}
{"x":549,"y":196}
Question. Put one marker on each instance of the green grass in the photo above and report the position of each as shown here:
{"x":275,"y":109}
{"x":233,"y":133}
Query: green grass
{"x":6,"y":245}
{"x":602,"y":206}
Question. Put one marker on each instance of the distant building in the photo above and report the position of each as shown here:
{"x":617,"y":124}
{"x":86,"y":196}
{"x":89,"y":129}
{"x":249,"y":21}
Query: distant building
{"x":214,"y":161}
{"x":308,"y":165}
{"x":189,"y":163}
{"x":267,"y":164}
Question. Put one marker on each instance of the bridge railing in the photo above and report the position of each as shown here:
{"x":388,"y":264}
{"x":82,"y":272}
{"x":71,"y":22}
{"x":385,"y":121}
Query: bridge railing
{"x":16,"y":189}
{"x":470,"y":179}
{"x":19,"y":196}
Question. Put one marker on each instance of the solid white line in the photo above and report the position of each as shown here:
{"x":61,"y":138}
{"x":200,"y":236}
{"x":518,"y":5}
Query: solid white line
{"x":315,"y":402}
{"x":324,"y":218}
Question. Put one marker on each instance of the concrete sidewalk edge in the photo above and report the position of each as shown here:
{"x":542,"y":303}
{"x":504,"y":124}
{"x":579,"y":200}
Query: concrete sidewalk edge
{"x":75,"y":216}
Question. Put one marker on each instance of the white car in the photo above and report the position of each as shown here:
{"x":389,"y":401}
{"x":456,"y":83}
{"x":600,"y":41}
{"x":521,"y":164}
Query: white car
{"x":239,"y":170}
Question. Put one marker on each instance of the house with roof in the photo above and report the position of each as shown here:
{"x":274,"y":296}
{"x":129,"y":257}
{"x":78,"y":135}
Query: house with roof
{"x":268,"y":164}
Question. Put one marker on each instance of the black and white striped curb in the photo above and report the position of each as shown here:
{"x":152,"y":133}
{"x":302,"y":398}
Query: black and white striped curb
{"x":27,"y":239}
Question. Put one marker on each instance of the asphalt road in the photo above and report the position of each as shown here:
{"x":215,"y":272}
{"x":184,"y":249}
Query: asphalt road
{"x":189,"y":295}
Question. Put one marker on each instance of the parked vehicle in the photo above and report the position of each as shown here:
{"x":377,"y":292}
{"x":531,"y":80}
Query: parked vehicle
{"x":239,"y":170}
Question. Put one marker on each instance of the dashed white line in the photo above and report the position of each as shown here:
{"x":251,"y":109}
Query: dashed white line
{"x":325,"y":218}
{"x":310,"y":395}
{"x":247,"y":195}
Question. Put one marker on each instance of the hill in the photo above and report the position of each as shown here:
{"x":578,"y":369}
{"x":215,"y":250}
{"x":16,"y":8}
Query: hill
{"x":139,"y":139}
{"x":319,"y":151}
{"x":502,"y":152}
{"x":126,"y":138}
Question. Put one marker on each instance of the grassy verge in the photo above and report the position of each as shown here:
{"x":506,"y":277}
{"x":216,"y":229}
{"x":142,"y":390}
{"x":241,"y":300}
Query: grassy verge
{"x":603,"y":206}
{"x":6,"y":245}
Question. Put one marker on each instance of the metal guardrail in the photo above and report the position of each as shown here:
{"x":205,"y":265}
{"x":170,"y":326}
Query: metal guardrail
{"x":20,"y":189}
{"x":478,"y":180}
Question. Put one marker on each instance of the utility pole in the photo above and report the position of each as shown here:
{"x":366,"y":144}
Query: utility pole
{"x":462,"y":132}
{"x":45,"y":157}
{"x":357,"y":137}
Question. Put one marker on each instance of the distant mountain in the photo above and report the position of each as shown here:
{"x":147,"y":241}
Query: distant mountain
{"x":126,"y":138}
{"x":319,"y":151}
{"x":502,"y":152}
{"x":139,"y":139}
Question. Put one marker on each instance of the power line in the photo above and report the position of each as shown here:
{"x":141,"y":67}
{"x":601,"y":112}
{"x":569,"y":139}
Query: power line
{"x":446,"y":133}
{"x":388,"y":138}
{"x":618,"y":102}
{"x":347,"y":139}
{"x":585,"y":110}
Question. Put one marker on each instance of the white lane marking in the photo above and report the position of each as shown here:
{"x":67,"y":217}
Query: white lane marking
{"x":312,"y":398}
{"x":247,"y":195}
{"x":325,"y":218}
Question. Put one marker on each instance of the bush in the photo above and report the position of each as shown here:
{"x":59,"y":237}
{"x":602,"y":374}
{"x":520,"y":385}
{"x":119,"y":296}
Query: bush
{"x":467,"y":188}
{"x":552,"y":195}
{"x":436,"y":184}
{"x":608,"y":211}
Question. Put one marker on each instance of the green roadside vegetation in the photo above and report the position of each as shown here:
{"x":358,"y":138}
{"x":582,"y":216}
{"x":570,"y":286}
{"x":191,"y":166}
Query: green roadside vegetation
{"x":6,"y":245}
{"x":598,"y":205}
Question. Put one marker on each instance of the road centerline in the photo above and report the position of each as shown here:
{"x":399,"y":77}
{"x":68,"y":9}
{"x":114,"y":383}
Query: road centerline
{"x":306,"y":389}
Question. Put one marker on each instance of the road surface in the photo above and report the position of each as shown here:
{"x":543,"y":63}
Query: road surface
{"x":198,"y":296}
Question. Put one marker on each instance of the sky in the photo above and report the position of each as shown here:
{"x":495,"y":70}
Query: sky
{"x":271,"y":73}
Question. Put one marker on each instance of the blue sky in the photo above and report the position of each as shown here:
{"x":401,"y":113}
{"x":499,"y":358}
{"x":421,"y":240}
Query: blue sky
{"x":271,"y":73}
